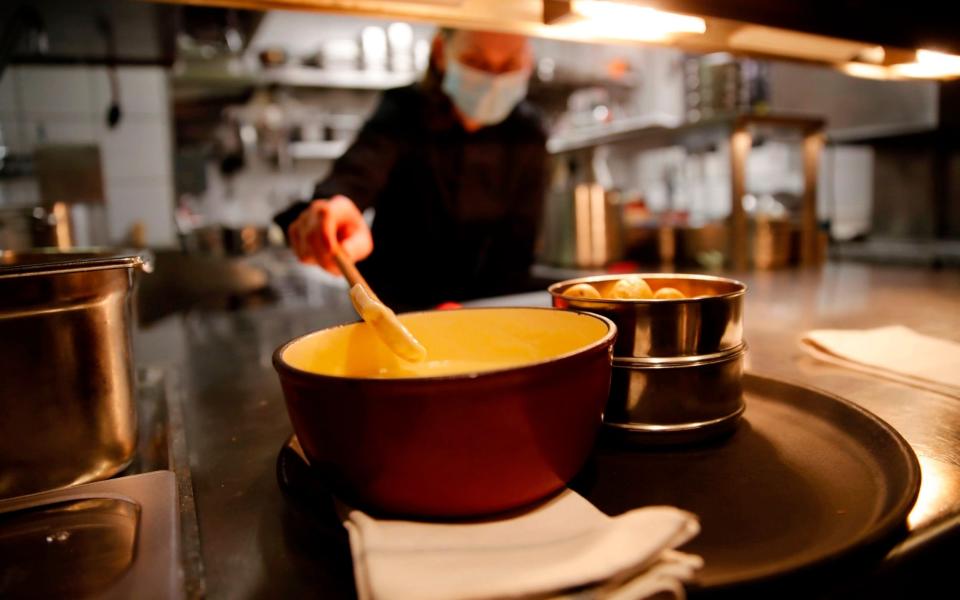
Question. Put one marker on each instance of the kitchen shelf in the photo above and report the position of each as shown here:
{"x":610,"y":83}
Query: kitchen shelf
{"x":325,"y":78}
{"x":621,"y":130}
{"x":661,"y":131}
{"x":853,"y":135}
{"x":738,"y":131}
{"x":297,"y":76}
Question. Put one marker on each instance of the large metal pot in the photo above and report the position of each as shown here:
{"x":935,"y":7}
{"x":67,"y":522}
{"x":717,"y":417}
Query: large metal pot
{"x":67,"y":410}
{"x":476,"y":442}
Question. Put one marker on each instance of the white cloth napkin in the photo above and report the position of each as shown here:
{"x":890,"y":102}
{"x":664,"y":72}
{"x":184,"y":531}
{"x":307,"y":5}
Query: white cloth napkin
{"x":563,"y":546}
{"x":895,"y":352}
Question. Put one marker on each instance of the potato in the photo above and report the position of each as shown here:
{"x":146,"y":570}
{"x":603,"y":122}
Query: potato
{"x":631,"y":287}
{"x":582,"y":290}
{"x":668,"y":293}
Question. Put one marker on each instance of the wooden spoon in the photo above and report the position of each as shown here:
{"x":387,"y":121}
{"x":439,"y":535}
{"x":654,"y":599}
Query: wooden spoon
{"x":377,"y":314}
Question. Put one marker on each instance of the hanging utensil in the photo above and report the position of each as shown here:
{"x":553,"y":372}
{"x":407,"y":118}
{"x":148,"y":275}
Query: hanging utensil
{"x":114,"y":113}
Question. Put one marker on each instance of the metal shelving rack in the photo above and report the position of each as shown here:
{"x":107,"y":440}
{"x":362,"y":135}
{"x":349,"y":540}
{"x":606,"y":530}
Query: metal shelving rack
{"x":299,"y":76}
{"x":740,"y":131}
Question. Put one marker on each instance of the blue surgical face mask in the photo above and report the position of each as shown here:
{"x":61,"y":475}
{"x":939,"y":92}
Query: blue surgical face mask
{"x":484,"y":97}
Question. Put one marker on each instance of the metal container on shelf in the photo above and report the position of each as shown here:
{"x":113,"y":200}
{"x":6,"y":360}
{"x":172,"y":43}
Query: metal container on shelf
{"x":677,"y":363}
{"x":772,"y":242}
{"x":222,"y":241}
{"x":60,"y":225}
{"x":583,"y":221}
{"x":66,"y":369}
{"x":25,"y":227}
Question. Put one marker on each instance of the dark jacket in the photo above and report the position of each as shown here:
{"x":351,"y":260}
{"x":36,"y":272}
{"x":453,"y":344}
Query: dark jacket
{"x":456,"y":212}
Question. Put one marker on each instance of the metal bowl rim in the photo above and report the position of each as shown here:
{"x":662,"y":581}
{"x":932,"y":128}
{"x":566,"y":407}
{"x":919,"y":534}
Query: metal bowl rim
{"x":680,"y":361}
{"x":553,"y":288}
{"x":102,"y":259}
{"x":640,"y":428}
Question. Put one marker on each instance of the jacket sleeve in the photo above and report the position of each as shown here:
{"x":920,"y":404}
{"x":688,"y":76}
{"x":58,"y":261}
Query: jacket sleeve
{"x":532,"y":180}
{"x":362,"y":171}
{"x":508,"y":263}
{"x":525,"y":223}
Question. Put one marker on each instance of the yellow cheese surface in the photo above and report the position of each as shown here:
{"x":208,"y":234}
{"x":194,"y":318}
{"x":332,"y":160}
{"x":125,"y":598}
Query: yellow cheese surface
{"x":459,"y":342}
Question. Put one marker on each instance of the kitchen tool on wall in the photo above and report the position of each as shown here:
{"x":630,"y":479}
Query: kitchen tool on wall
{"x":114,"y":113}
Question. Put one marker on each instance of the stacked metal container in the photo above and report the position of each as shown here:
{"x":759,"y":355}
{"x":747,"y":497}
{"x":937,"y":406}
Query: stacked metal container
{"x":677,"y":364}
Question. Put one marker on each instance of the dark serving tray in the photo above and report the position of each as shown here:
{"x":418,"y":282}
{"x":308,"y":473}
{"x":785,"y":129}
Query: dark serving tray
{"x":807,"y":490}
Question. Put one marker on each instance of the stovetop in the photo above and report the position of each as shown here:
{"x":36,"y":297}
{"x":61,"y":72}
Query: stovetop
{"x":132,"y":536}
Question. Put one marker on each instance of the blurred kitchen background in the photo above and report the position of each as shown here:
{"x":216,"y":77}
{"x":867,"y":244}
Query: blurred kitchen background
{"x":183,"y":129}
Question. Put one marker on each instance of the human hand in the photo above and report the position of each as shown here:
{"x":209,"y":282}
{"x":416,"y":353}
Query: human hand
{"x":326,"y":224}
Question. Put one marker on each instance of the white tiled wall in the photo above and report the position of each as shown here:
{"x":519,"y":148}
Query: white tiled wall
{"x":139,"y":148}
{"x":45,"y":104}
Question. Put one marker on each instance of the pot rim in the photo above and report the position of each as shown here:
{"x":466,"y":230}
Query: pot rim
{"x":605,"y":341}
{"x":554,"y":289}
{"x":85,"y":259}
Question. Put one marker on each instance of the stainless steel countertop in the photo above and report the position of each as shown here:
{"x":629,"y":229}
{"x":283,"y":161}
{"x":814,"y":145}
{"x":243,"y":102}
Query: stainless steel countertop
{"x":257,"y":543}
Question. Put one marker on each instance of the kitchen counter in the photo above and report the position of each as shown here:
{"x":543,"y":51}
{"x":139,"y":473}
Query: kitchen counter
{"x":257,"y":543}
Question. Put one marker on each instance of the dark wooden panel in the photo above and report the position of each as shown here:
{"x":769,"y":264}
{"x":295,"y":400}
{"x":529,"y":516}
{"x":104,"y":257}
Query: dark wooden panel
{"x":916,"y":24}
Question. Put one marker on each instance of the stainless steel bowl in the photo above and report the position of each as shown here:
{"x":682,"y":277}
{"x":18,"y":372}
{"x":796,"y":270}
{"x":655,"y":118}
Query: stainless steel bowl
{"x":708,"y":320}
{"x":677,"y":363}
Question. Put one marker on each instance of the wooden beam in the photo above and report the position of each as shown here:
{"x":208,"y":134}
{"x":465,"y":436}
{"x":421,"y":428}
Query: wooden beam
{"x":809,"y":231}
{"x":740,"y":143}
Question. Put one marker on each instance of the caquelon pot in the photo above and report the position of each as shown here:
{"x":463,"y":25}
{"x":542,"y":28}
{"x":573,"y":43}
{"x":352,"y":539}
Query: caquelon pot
{"x":509,"y":428}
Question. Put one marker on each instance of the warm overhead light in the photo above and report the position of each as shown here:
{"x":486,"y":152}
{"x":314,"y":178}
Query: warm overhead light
{"x":930,"y":65}
{"x":639,"y":16}
{"x":875,"y":55}
{"x":620,"y":20}
{"x":939,"y":59}
{"x":866,"y":71}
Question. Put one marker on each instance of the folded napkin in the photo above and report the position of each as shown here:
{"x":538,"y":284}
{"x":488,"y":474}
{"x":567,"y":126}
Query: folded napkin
{"x":895,"y":352}
{"x":563,"y":546}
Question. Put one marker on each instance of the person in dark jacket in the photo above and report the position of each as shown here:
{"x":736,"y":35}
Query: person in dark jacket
{"x":455,"y":168}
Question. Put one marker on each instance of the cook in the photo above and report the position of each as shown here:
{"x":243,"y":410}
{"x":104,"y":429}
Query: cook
{"x":454,"y":166}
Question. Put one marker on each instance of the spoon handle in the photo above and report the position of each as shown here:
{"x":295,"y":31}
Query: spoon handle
{"x":350,"y":272}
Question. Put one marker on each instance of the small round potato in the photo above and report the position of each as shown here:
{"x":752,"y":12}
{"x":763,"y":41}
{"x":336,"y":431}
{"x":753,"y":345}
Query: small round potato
{"x":632,"y":287}
{"x":668,"y":293}
{"x":581,"y":290}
